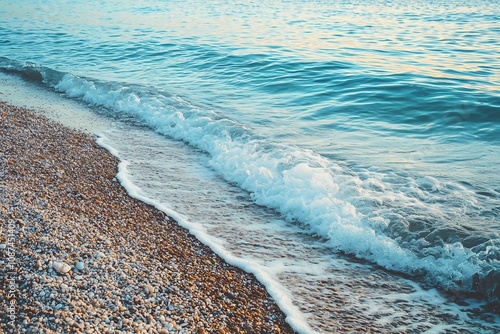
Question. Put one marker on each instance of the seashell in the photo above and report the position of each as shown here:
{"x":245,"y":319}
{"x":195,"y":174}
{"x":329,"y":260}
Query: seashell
{"x":61,"y":267}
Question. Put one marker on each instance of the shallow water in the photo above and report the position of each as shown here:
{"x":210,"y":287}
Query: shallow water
{"x":289,"y":134}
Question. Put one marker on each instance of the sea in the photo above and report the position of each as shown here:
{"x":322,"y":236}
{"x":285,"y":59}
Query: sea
{"x":344,"y":152}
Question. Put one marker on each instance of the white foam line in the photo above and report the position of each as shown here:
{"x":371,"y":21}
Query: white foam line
{"x":280,"y":294}
{"x":300,"y":184}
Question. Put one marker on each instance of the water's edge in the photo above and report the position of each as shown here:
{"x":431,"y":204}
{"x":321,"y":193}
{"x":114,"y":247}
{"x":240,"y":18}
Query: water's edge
{"x":296,"y":316}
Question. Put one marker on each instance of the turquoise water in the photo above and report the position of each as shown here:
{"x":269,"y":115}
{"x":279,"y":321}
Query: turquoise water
{"x":370,"y":129}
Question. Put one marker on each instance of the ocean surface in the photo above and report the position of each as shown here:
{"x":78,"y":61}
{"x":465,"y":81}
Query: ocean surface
{"x":345,"y":152}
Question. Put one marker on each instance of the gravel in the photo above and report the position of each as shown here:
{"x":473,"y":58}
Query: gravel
{"x":78,"y":255}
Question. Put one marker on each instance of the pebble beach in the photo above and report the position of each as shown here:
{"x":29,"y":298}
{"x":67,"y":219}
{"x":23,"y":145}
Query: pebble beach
{"x":78,"y":255}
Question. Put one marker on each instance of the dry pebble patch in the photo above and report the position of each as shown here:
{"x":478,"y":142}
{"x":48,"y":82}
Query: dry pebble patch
{"x":91,"y":259}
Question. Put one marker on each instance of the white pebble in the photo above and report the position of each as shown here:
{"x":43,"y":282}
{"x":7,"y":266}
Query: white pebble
{"x":61,"y":267}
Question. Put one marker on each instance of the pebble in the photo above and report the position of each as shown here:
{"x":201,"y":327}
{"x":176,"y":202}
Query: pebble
{"x":135,"y":270}
{"x":149,"y":289}
{"x":61,"y":267}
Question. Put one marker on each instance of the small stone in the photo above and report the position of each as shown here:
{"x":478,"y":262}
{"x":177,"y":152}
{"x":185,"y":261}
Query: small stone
{"x":99,"y":255}
{"x":163,"y":331}
{"x":3,"y":246}
{"x":61,"y":267}
{"x":149,"y":289}
{"x":80,"y":265}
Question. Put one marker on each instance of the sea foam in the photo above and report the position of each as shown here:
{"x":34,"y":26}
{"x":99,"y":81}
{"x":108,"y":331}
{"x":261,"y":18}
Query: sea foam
{"x":403,"y":222}
{"x":280,"y":294}
{"x":351,"y":210}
